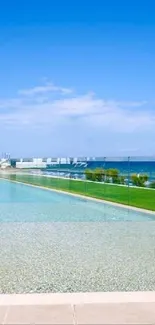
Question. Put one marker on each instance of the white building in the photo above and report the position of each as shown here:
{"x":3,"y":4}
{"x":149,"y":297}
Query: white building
{"x":4,"y":163}
{"x":40,"y":162}
{"x":31,"y":163}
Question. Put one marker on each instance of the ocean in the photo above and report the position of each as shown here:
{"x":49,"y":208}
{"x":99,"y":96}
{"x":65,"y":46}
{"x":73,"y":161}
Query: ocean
{"x":126,"y":168}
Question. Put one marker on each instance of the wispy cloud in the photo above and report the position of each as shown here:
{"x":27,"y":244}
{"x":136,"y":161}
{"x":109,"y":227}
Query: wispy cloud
{"x":73,"y":117}
{"x":132,"y":104}
{"x":47,"y":88}
{"x":35,"y":107}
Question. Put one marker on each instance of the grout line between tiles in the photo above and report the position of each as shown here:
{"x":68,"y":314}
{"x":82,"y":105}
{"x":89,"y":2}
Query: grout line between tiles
{"x":74,"y":315}
{"x":5,"y":316}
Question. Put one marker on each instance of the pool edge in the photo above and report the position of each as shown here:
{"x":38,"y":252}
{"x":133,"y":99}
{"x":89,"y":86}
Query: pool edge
{"x":127,"y":207}
{"x":77,"y":298}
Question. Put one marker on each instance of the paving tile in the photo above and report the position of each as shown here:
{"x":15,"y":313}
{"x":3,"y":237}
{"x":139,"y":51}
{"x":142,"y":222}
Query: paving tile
{"x":55,"y":314}
{"x":128,"y":313}
{"x":3,"y":311}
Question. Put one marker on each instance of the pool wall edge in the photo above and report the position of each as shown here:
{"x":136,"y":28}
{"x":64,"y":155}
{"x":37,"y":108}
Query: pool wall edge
{"x":77,"y":298}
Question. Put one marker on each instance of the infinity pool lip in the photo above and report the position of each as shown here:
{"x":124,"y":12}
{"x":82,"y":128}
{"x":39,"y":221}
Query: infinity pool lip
{"x":77,"y":298}
{"x":115,"y":204}
{"x":79,"y":308}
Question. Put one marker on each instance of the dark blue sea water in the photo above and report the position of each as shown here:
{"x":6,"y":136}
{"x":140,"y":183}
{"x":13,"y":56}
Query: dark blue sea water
{"x":125,"y":167}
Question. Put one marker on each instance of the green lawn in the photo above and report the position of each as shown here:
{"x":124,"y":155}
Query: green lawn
{"x":138,"y":197}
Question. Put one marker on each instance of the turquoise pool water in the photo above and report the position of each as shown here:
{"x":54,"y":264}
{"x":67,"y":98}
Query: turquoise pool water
{"x":22,"y":203}
{"x":56,"y":242}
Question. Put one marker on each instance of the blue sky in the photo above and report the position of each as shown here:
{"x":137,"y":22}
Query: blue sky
{"x":77,"y":78}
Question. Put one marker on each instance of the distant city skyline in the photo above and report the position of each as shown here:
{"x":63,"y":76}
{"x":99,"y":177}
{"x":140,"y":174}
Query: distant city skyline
{"x":77,"y":79}
{"x":69,"y":159}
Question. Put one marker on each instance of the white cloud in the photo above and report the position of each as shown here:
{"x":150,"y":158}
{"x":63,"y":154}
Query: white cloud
{"x":47,"y":88}
{"x":98,"y":112}
{"x":76,"y":120}
{"x":132,"y":104}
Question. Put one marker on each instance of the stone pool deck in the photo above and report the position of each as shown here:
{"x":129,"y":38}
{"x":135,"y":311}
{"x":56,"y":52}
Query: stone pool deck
{"x":78,"y":308}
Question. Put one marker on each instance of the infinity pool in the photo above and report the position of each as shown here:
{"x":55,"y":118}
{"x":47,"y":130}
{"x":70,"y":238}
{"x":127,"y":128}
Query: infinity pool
{"x":54,"y":242}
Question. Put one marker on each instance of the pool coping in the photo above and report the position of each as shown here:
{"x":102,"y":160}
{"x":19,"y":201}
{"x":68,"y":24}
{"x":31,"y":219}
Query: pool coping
{"x":77,"y":298}
{"x":115,"y":204}
{"x":104,"y":308}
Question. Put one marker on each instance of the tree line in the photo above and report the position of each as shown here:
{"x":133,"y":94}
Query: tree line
{"x":113,"y":175}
